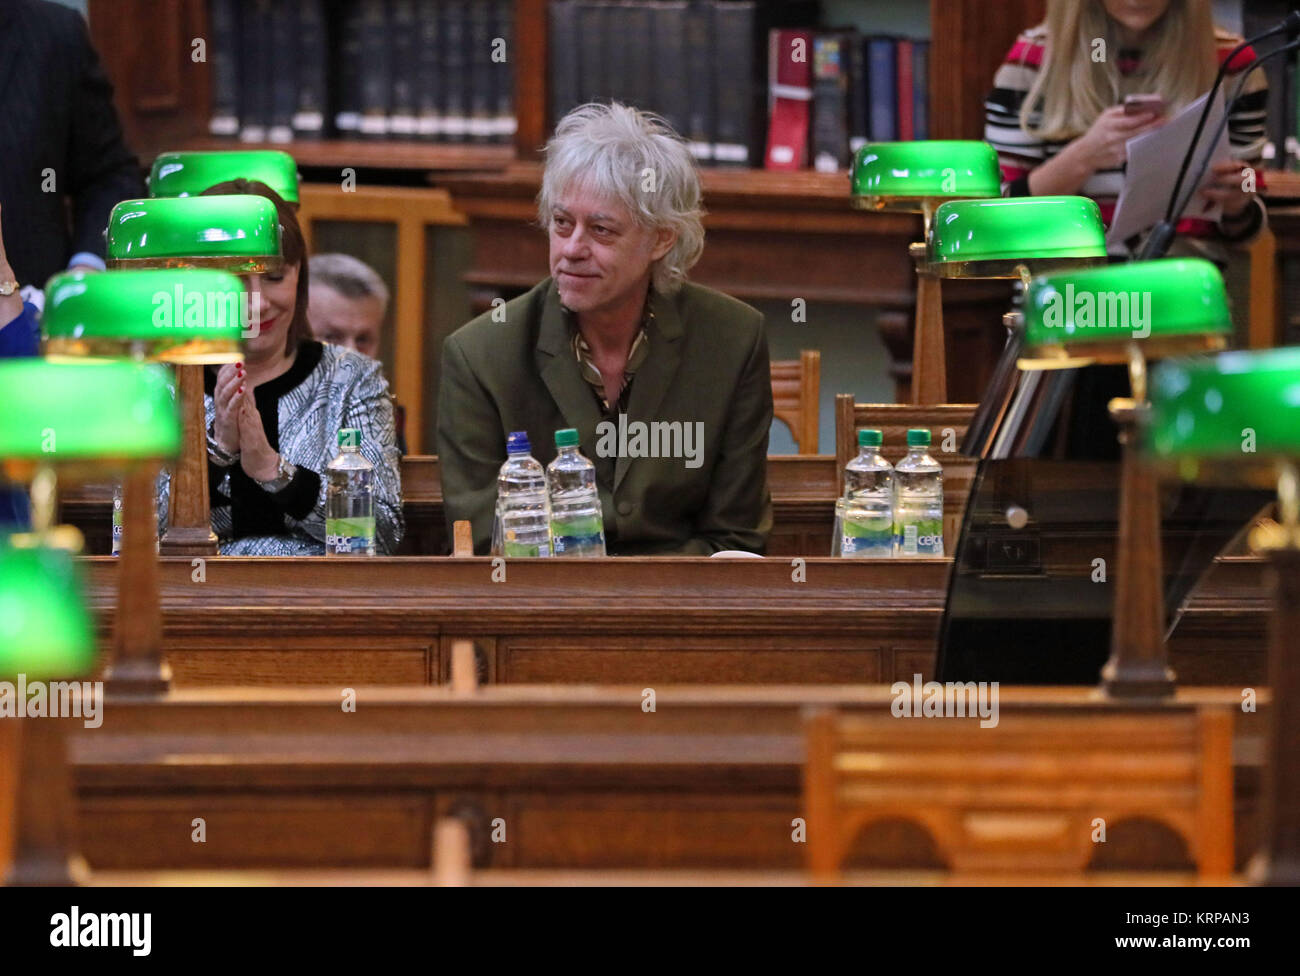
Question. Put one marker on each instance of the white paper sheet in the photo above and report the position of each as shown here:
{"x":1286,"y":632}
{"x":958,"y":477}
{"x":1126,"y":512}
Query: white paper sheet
{"x":1153,"y":160}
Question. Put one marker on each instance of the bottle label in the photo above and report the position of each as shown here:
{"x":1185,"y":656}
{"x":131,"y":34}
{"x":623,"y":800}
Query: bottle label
{"x":867,"y":537}
{"x":533,"y":550}
{"x":577,"y":534}
{"x":348,"y":536}
{"x":117,"y":526}
{"x":924,"y":537}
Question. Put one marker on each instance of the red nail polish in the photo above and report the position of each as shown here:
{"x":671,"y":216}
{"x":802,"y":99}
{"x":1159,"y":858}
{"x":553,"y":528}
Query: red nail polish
{"x":241,"y":389}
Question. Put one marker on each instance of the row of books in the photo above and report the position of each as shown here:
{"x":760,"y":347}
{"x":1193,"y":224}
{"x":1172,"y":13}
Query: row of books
{"x":697,"y":63}
{"x":829,"y":92}
{"x":439,"y":70}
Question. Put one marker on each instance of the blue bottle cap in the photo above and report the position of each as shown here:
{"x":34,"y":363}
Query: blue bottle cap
{"x":517,"y":442}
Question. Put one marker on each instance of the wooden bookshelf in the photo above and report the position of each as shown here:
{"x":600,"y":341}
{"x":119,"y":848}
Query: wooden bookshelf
{"x":163,"y":96}
{"x":377,"y":153}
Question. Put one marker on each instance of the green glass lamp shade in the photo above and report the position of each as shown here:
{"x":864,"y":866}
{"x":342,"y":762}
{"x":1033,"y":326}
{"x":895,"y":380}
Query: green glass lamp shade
{"x":238,"y":233}
{"x":1004,"y":237}
{"x":173,"y":315}
{"x":187,"y":174}
{"x":45,"y":629}
{"x":1228,"y":418}
{"x":90,"y":417}
{"x":1173,"y":306}
{"x":904,"y":175}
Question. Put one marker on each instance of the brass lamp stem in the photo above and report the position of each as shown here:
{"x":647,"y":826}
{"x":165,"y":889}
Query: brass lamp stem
{"x":1137,"y":373}
{"x":1288,"y":497}
{"x":44,"y":496}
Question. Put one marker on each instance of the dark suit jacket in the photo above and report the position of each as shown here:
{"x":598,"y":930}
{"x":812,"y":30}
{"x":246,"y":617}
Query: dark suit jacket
{"x":57,"y":115}
{"x":707,"y":364}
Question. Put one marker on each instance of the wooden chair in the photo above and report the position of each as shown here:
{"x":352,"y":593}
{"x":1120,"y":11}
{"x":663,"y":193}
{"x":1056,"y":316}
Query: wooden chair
{"x":1023,"y":797}
{"x":796,"y":395}
{"x":947,"y":423}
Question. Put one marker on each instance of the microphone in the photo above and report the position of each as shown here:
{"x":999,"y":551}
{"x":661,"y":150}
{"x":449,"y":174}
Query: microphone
{"x":1162,"y":234}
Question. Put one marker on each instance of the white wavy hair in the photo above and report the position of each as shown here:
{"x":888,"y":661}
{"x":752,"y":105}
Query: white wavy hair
{"x":618,"y":151}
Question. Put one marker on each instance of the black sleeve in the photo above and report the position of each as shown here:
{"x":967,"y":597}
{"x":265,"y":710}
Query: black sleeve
{"x":299,"y":496}
{"x":102,"y":171}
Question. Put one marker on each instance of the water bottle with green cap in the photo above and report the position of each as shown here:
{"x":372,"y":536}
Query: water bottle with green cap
{"x":577,"y":523}
{"x":349,"y":499}
{"x":918,"y":499}
{"x":867,"y":510}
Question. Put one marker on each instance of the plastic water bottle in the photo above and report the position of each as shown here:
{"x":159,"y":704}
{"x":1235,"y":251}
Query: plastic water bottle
{"x":117,"y":520}
{"x":577,"y":524}
{"x":918,"y":498}
{"x":349,"y":500}
{"x":867,"y":526}
{"x":522,"y":503}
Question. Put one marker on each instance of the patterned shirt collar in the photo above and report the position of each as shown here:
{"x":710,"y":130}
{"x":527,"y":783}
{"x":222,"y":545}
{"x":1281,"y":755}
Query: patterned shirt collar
{"x":587,"y":365}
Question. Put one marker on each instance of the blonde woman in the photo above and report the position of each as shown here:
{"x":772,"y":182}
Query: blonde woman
{"x":1057,"y":119}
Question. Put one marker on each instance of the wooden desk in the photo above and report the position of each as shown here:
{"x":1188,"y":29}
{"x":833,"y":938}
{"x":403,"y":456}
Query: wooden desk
{"x":803,"y":507}
{"x":635,"y":620}
{"x":581,"y":778}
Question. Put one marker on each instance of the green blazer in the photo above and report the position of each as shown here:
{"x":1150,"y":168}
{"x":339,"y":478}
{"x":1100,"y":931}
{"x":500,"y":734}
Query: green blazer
{"x":703,"y":395}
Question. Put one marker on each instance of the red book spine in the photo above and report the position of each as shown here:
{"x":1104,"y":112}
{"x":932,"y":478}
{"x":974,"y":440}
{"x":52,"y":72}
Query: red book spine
{"x":789,"y":77}
{"x":906,"y":94}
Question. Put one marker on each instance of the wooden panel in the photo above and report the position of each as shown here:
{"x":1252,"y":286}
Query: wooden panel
{"x":161,"y":94}
{"x":581,"y":777}
{"x":282,"y":831}
{"x":686,"y":660}
{"x":235,"y":661}
{"x":966,"y":46}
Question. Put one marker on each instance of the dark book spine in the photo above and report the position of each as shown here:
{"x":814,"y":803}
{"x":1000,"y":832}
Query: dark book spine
{"x":882,"y":88}
{"x":349,"y":54}
{"x":593,"y":51}
{"x":255,"y":93}
{"x":671,"y":97}
{"x":733,"y":72}
{"x":565,"y":83}
{"x":428,"y":88}
{"x":503,"y":71}
{"x":455,"y":71}
{"x":376,"y":74}
{"x":481,"y":101}
{"x":921,"y":88}
{"x":223,"y":55}
{"x":284,"y":71}
{"x":856,"y":80}
{"x":402,"y":35}
{"x":830,"y":108}
{"x":638,"y":45}
{"x":313,"y":80}
{"x":700,"y":56}
{"x":903,"y":62}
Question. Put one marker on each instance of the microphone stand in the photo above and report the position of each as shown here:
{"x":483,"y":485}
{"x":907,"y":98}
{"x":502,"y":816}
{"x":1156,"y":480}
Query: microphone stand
{"x":1162,"y":235}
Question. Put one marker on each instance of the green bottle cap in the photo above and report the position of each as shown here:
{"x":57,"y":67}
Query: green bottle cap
{"x":350,"y":437}
{"x":869,"y":437}
{"x":918,"y":437}
{"x":568,"y":437}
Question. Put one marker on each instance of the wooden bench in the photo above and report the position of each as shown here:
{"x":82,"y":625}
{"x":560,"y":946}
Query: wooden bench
{"x":1035,"y":793}
{"x":796,"y":397}
{"x":580,"y":778}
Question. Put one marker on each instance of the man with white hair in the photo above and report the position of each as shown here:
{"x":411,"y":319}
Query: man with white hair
{"x":666,"y":382}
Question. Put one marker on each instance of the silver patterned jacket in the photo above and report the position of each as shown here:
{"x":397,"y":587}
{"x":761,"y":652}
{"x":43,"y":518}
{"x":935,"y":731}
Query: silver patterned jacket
{"x":344,"y":389}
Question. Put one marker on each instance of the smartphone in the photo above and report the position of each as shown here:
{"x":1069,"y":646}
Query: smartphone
{"x":1140,"y":104}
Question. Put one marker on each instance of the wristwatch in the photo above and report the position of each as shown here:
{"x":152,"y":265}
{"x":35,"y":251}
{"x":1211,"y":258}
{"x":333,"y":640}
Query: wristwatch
{"x":283,"y":475}
{"x":219,"y":456}
{"x":7,"y":288}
